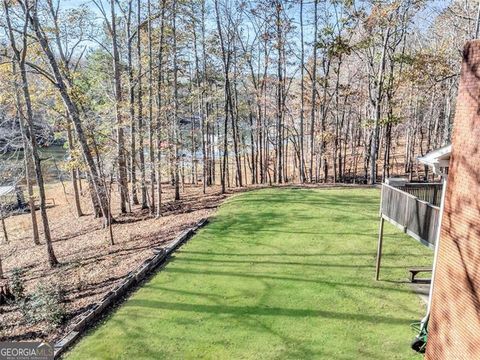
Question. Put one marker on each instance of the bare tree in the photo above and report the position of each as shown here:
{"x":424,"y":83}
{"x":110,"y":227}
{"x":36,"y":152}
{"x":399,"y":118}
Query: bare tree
{"x":20,"y":58}
{"x":175,"y":124}
{"x":122,"y":169}
{"x":3,"y":214}
{"x":31,"y":14}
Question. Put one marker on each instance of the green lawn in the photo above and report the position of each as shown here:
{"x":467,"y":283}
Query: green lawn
{"x":278,"y":274}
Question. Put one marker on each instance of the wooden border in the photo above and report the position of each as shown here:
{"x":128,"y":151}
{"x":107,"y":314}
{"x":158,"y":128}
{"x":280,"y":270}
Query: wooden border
{"x":116,"y":294}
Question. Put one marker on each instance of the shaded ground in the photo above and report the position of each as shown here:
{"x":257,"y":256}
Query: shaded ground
{"x":279,"y":273}
{"x":90,"y":267}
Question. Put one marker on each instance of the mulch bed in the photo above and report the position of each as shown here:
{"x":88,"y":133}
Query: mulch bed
{"x":90,"y":267}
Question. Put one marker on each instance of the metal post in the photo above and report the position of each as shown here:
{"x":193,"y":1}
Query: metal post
{"x":381,"y":200}
{"x":379,"y":249}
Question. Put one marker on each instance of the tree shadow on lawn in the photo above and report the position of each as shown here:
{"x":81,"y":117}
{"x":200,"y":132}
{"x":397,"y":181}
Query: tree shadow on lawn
{"x":254,"y":262}
{"x":176,"y":270}
{"x":264,"y":311}
{"x":251,"y":317}
{"x":251,"y":222}
{"x":280,"y":220}
{"x":184,"y":251}
{"x":293,"y":347}
{"x":236,"y":231}
{"x":308,"y":198}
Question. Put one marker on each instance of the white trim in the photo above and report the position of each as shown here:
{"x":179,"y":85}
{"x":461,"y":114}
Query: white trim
{"x":437,"y":159}
{"x":434,"y":156}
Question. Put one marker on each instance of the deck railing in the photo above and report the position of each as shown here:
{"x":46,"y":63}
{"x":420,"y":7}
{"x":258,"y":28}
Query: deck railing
{"x":413,"y":214}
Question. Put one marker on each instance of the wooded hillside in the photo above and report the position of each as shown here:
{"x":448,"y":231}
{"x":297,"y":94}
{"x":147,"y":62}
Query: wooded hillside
{"x":225,"y":92}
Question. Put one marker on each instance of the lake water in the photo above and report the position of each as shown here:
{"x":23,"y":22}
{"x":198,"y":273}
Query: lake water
{"x":53,"y":159}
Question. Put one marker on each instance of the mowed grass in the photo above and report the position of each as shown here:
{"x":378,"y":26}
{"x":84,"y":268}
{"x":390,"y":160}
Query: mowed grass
{"x":277,"y":274}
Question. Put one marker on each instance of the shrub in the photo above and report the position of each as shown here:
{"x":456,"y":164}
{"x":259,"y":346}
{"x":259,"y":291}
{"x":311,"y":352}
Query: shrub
{"x":44,"y":304}
{"x":16,"y":284}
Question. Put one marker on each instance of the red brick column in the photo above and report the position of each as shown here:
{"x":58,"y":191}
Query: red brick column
{"x":454,"y":328}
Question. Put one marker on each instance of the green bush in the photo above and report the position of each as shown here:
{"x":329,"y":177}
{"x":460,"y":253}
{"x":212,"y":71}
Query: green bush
{"x":45,"y":304}
{"x":16,"y":284}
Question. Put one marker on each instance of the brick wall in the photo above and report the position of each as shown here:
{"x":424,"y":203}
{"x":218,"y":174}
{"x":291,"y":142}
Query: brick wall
{"x":454,"y":328}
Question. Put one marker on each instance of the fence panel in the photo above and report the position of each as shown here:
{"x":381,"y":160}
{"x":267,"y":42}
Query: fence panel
{"x":431,"y":193}
{"x":393,"y":204}
{"x":413,"y":215}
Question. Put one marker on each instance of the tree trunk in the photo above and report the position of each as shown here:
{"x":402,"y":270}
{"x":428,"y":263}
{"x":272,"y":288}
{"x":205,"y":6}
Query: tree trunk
{"x":377,"y":111}
{"x":175,"y":100}
{"x":73,"y":172}
{"x":1,"y":269}
{"x":314,"y":89}
{"x":28,"y":163}
{"x":4,"y":230}
{"x":232,"y":98}
{"x":122,"y":170}
{"x":74,"y":114}
{"x":131,"y":89}
{"x":141,"y":150}
{"x":159,"y":117}
{"x":151,"y":129}
{"x":280,"y":94}
{"x":226,"y":68}
{"x":302,"y":96}
{"x":29,"y":130}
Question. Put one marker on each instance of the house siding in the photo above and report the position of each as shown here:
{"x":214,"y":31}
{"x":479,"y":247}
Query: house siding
{"x":454,"y":327}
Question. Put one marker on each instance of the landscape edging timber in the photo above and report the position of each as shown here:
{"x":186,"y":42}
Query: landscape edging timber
{"x":115,"y":295}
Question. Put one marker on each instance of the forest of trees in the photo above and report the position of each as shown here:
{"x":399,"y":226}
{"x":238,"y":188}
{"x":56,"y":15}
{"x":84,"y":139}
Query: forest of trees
{"x":229,"y":92}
